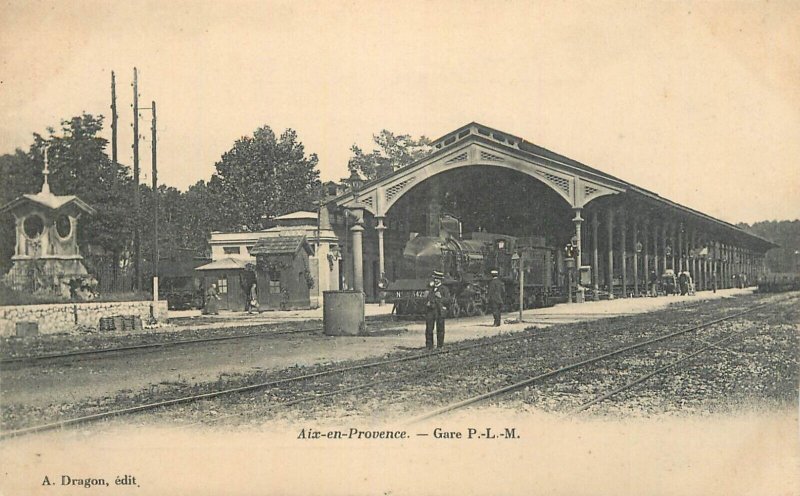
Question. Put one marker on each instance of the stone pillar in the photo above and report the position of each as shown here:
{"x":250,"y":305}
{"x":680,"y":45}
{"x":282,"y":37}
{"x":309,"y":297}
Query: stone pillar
{"x":595,"y":258}
{"x":623,"y":228}
{"x":680,"y":247}
{"x":635,"y":256}
{"x":610,"y":265}
{"x":579,"y":294}
{"x":358,"y":257}
{"x":381,"y":227}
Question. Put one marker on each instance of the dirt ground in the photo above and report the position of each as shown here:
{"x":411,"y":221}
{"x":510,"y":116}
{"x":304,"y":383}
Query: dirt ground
{"x":81,"y":380}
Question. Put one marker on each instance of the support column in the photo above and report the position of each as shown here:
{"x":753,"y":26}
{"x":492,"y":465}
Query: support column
{"x":663,"y":248}
{"x":680,"y":248}
{"x":646,"y":261}
{"x":725,"y":266}
{"x":610,"y":272}
{"x":692,"y":262}
{"x":381,"y":227}
{"x":672,"y":245}
{"x":623,"y":232}
{"x":714,"y":276}
{"x":635,"y":256}
{"x":579,"y":294}
{"x":358,"y":257}
{"x":595,"y":259}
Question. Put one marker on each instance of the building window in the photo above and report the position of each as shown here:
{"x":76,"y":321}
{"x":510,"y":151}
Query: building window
{"x":274,"y":282}
{"x":222,"y":285}
{"x":63,"y":226}
{"x":231,"y":250}
{"x":33,"y":226}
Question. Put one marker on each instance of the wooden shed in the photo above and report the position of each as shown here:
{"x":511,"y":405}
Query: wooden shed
{"x":282,"y":272}
{"x":232,"y":279}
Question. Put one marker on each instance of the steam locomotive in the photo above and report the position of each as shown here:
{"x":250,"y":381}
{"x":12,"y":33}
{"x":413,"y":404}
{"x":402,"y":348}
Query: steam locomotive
{"x":466,"y":262}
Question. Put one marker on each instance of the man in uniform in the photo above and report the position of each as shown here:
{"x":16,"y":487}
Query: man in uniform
{"x":436,"y":301}
{"x":496,"y":294}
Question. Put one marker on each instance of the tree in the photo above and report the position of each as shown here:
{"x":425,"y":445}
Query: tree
{"x":80,"y":166}
{"x":393,"y":152}
{"x":785,"y":233}
{"x":262,"y":177}
{"x":19,"y":175}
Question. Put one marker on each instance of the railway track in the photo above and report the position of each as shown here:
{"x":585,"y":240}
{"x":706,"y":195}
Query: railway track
{"x":501,"y":391}
{"x":435,"y":370}
{"x":146,"y":346}
{"x":664,"y":368}
{"x":369,"y":384}
{"x":231,"y":391}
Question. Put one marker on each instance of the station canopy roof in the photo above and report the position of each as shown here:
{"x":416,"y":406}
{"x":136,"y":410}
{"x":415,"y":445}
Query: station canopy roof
{"x":525,"y":149}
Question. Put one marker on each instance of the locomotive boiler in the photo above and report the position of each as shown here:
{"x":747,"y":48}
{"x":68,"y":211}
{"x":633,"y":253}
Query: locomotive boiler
{"x":466,"y":263}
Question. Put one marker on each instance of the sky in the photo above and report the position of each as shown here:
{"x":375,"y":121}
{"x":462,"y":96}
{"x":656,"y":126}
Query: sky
{"x":698,"y":102}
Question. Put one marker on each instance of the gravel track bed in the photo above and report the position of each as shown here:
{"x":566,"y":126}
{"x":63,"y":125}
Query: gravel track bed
{"x":410,"y":387}
{"x":756,"y":371}
{"x":403,"y":389}
{"x":571,"y":389}
{"x":51,"y":344}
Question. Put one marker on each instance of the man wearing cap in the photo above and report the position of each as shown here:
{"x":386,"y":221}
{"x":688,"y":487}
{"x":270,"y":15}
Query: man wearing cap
{"x":436,"y":301}
{"x":496,"y":294}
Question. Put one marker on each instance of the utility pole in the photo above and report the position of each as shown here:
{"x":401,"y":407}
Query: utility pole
{"x":113,"y":118}
{"x":155,"y":207}
{"x":137,"y":269}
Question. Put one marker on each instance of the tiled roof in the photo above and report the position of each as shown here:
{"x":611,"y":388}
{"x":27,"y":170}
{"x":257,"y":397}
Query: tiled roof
{"x":224,"y":264}
{"x":300,"y":214}
{"x":275,"y":245}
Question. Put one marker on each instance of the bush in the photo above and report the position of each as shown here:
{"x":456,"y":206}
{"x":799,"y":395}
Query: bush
{"x":10,"y":297}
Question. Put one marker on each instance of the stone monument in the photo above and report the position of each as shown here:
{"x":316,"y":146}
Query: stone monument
{"x":46,"y":255}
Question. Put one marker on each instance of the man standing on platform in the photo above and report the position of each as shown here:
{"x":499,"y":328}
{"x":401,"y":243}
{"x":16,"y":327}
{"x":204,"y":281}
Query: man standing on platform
{"x":436,"y":301}
{"x":496,"y":294}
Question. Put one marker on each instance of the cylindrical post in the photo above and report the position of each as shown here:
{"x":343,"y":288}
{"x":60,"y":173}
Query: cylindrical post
{"x":663,"y":249}
{"x":155,"y":204}
{"x":579,"y":294}
{"x":623,"y":252}
{"x":137,"y":260}
{"x":358,"y":258}
{"x":610,"y":238}
{"x":635,"y":256}
{"x":595,"y":259}
{"x":381,"y":261}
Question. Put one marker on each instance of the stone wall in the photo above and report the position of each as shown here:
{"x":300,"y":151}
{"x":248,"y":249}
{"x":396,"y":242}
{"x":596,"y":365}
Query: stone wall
{"x":66,"y":317}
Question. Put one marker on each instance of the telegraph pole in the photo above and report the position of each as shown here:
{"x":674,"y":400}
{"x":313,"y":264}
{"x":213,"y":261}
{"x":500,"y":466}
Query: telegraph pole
{"x":137,"y":269}
{"x":155,"y":206}
{"x":113,"y":118}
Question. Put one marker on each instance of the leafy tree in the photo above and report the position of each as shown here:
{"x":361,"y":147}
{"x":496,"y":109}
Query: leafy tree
{"x":19,"y":175}
{"x":785,"y":233}
{"x":80,"y":166}
{"x":261,"y":177}
{"x":392,"y":152}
